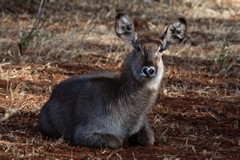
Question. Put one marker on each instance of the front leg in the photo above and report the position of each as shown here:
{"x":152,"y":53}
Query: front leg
{"x":144,"y":137}
{"x":84,"y":136}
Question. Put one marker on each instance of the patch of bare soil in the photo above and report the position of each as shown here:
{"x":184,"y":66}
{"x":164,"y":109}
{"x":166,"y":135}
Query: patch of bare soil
{"x":197,"y":114}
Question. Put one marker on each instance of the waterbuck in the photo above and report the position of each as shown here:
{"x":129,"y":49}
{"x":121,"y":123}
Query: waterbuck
{"x":108,"y":110}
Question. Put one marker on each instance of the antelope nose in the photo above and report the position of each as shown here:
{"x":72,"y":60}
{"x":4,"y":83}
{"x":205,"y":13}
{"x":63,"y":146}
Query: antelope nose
{"x":148,"y":71}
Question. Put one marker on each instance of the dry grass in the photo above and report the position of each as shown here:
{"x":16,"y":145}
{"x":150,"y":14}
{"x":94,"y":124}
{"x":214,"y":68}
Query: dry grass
{"x":198,"y":117}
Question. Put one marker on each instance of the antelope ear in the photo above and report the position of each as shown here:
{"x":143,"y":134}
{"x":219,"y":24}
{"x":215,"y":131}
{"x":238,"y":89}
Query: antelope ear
{"x":124,"y":28}
{"x":174,"y":33}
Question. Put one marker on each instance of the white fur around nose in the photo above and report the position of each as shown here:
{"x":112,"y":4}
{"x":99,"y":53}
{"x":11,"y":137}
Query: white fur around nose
{"x":155,"y":82}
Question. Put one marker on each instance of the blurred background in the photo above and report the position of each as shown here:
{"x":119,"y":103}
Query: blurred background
{"x":51,"y":27}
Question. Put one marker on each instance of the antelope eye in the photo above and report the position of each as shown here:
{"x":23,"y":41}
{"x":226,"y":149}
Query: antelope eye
{"x":161,"y":49}
{"x":138,"y":49}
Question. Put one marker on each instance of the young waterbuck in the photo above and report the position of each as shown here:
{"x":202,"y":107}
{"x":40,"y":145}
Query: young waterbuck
{"x":107,"y":110}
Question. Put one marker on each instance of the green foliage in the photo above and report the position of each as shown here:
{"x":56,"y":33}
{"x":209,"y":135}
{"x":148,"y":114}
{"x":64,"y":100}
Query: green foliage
{"x":222,"y":60}
{"x":224,"y":54}
{"x":25,"y":39}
